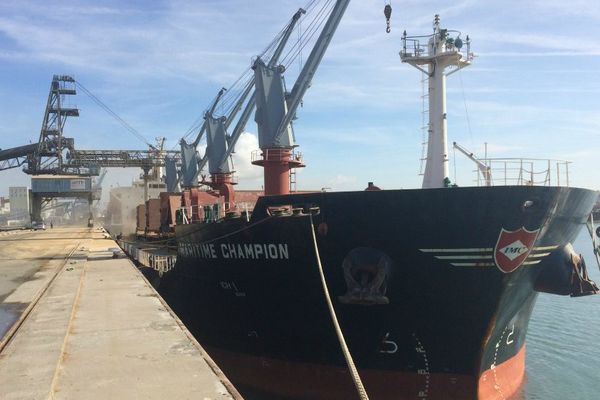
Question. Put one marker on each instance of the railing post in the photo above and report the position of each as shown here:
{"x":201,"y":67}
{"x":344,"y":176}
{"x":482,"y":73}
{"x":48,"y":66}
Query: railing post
{"x":531,"y":175}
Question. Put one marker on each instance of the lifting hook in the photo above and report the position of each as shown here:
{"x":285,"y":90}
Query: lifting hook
{"x":387,"y":11}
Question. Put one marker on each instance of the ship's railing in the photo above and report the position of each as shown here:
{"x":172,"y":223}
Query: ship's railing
{"x":148,"y":257}
{"x":421,"y":46}
{"x":214,"y":212}
{"x":233,"y":178}
{"x":525,"y":172}
{"x":275,"y":155}
{"x":412,"y":47}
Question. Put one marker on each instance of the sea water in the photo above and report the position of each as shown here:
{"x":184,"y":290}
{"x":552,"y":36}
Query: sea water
{"x":563,"y":341}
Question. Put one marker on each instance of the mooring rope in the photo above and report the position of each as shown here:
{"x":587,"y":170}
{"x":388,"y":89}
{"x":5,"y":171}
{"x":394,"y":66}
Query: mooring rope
{"x":362,"y":393}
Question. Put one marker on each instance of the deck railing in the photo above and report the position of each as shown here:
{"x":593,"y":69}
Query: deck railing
{"x":214,"y":212}
{"x":525,"y":172}
{"x":276,"y":155}
{"x":148,"y":257}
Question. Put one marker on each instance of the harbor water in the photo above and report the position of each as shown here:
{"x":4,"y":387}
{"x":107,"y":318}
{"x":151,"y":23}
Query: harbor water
{"x":563,"y":342}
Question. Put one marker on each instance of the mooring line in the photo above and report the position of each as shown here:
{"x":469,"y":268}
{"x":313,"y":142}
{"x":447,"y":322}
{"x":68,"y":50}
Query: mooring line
{"x":362,"y":393}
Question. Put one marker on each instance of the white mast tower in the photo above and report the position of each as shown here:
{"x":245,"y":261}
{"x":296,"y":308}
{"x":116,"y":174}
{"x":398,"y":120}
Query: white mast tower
{"x":441,"y":52}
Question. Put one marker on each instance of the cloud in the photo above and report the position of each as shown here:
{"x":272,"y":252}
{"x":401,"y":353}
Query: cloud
{"x":515,"y":43}
{"x":167,"y":48}
{"x":368,"y":137}
{"x":578,"y":8}
{"x":249,"y":176}
{"x":343,"y":182}
{"x":519,"y":54}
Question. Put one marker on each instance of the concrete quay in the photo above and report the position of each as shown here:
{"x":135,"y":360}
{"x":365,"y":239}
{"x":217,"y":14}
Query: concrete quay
{"x":75,"y":323}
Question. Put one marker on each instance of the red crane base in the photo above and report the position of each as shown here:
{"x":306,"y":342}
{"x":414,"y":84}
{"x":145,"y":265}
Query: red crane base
{"x":277,"y":163}
{"x":224,"y":184}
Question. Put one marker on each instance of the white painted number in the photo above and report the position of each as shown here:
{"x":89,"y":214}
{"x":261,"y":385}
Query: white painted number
{"x":388,"y":346}
{"x":509,"y":339}
{"x":233,"y":287}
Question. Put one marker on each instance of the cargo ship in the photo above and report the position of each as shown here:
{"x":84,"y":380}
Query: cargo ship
{"x":432,"y":288}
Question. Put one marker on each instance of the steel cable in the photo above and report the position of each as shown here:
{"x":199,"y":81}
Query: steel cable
{"x":100,"y":103}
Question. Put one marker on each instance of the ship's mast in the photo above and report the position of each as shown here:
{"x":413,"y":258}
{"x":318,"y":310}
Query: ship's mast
{"x":442,"y":52}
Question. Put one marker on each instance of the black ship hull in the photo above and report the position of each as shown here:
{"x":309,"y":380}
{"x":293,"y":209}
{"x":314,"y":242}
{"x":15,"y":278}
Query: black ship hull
{"x":433,"y":289}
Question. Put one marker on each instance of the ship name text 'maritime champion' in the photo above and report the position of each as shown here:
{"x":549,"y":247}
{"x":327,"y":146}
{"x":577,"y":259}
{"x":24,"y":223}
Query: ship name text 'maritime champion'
{"x":431,"y":289}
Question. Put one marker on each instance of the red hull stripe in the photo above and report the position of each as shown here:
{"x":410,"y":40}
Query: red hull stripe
{"x":504,"y":380}
{"x":261,"y":377}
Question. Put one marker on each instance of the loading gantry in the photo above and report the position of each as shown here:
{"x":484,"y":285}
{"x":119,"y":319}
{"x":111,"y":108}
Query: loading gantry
{"x":56,"y":156}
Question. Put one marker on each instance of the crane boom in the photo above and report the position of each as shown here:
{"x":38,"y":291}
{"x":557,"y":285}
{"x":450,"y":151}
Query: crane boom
{"x":274,"y":59}
{"x":483,"y":167}
{"x":220,"y":144}
{"x":210,"y":111}
{"x":239,"y":103}
{"x":239,"y":128}
{"x":285,"y":37}
{"x":312,"y":63}
{"x":189,"y":155}
{"x":17,"y":156}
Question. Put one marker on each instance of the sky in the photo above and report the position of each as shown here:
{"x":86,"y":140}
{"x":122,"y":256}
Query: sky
{"x":532,"y":90}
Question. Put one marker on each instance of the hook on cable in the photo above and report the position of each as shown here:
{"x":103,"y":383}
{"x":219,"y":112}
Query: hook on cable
{"x":387,"y":11}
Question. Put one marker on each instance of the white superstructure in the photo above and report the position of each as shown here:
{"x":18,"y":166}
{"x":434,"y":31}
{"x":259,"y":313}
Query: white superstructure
{"x":442,"y":52}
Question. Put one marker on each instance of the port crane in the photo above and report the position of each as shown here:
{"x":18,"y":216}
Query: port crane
{"x":276,"y":108}
{"x":219,"y":143}
{"x":54,"y":154}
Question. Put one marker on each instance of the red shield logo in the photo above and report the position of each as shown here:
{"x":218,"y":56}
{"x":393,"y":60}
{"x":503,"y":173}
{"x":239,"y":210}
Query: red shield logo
{"x":513,"y":247}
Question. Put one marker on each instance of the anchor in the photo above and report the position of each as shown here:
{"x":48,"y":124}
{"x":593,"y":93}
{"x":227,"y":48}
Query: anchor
{"x":366,"y":273}
{"x":593,"y":233}
{"x":581,"y":284}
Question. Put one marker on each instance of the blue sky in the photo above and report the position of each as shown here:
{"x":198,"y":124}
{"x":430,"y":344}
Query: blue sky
{"x":532,"y":91}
